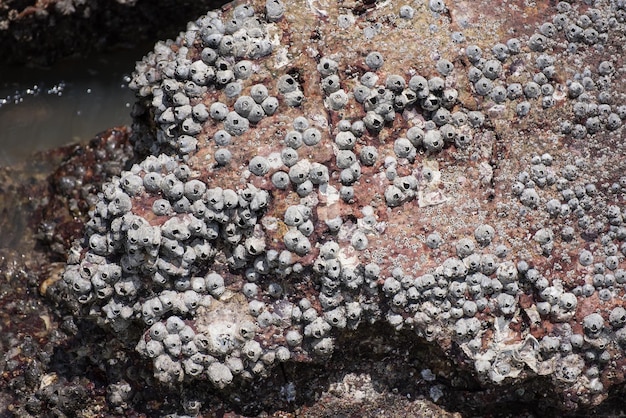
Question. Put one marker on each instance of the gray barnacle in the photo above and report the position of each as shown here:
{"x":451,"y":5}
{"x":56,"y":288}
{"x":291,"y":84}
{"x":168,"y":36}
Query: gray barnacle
{"x":492,"y":69}
{"x":330,"y":84}
{"x":441,"y":117}
{"x":259,"y":166}
{"x":394,"y":196}
{"x":507,"y":272}
{"x":311,"y":136}
{"x":158,"y":331}
{"x":191,"y":300}
{"x":120,"y":203}
{"x":456,"y":290}
{"x":223,"y":156}
{"x":437,"y":6}
{"x":274,"y":10}
{"x":408,"y":184}
{"x":289,"y":156}
{"x":474,"y":53}
{"x":99,"y":244}
{"x":484,"y":234}
{"x":433,"y":142}
{"x":433,"y":240}
{"x":318,"y":328}
{"x":391,"y":286}
{"x":153,"y":348}
{"x":222,"y":138}
{"x":270,"y":105}
{"x":470,"y":308}
{"x":172,"y":344}
{"x":529,"y":198}
{"x":374,"y":60}
{"x":259,"y":93}
{"x":359,"y":241}
{"x":506,"y":303}
{"x":483,"y":86}
{"x":186,"y":144}
{"x":131,"y":183}
{"x":295,"y":215}
{"x":243,"y":105}
{"x":369,"y":79}
{"x":475,"y":118}
{"x":265,"y":319}
{"x":293,"y":139}
{"x":174,"y":325}
{"x":404,"y":148}
{"x":250,"y":290}
{"x":336,"y":317}
{"x":444,"y":67}
{"x":593,"y":324}
{"x":617,"y":317}
{"x":334,"y":224}
{"x":361,"y":93}
{"x":293,"y":338}
{"x":345,"y":140}
{"x":350,"y":174}
{"x":287,"y":84}
{"x":395,"y":83}
{"x":345,"y":159}
{"x":488,"y":264}
{"x":453,"y":268}
{"x":327,"y":66}
{"x":194,"y":189}
{"x":214,"y":283}
{"x":323,"y":347}
{"x":280,"y":180}
{"x":236,"y":124}
{"x":175,"y":229}
{"x":260,"y":200}
{"x":219,"y":374}
{"x":329,"y":250}
{"x":218,"y":111}
{"x":373,"y":121}
{"x":299,"y":171}
{"x":152,"y":181}
{"x":498,"y":94}
{"x":256,"y":307}
{"x":318,"y":173}
{"x":243,"y":69}
{"x":294,"y":98}
{"x":585,"y":258}
{"x":464,"y":247}
{"x":297,"y":242}
{"x":405,"y":98}
{"x":182,"y":172}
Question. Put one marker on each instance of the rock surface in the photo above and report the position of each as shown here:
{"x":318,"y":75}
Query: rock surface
{"x":365,"y":206}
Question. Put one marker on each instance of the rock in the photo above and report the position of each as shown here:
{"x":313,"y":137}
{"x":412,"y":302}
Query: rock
{"x":41,"y":217}
{"x":211,"y":268}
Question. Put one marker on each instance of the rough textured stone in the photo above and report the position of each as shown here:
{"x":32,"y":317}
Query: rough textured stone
{"x":342,"y":258}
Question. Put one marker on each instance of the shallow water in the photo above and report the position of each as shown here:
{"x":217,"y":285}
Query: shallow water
{"x":74,"y":100}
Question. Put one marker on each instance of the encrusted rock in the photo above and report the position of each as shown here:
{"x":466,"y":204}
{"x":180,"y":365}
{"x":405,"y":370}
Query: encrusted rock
{"x":428,"y":197}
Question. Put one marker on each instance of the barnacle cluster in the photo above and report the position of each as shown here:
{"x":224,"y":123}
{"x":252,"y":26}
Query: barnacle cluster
{"x":291,"y":195}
